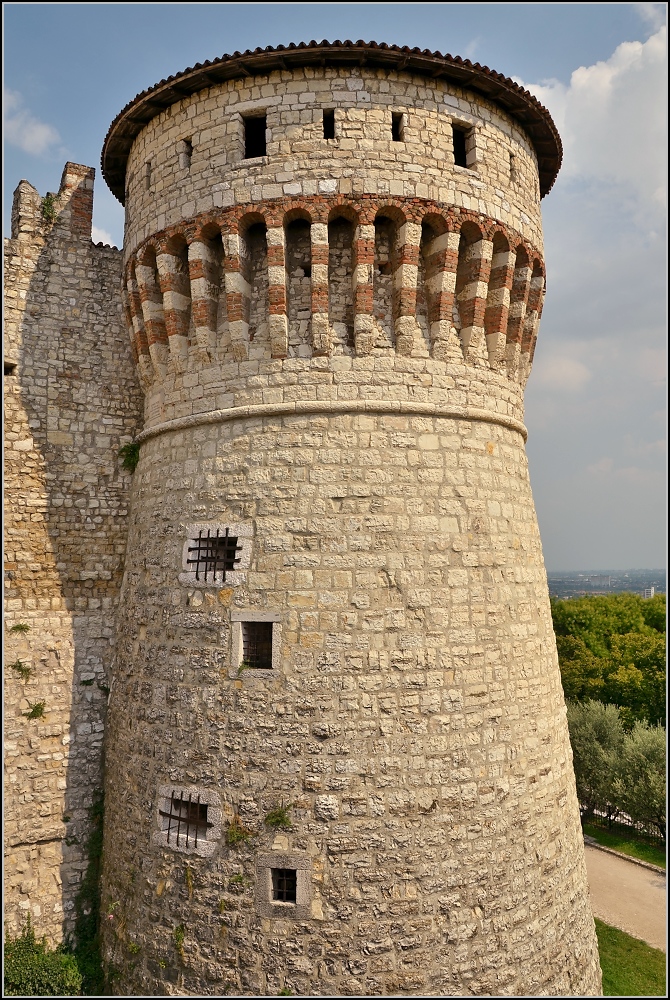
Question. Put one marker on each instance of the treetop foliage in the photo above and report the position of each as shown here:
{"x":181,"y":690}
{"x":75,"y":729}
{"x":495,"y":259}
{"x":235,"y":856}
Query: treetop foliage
{"x":612,"y":649}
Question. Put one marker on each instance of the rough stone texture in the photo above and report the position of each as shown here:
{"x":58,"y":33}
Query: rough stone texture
{"x":333,"y":341}
{"x":70,"y":401}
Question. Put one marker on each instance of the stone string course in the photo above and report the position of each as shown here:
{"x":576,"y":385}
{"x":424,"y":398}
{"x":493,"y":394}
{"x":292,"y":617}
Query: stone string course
{"x":332,"y":341}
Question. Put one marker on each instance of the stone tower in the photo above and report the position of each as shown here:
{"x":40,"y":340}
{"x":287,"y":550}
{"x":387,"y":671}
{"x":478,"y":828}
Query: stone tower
{"x":337,"y":754}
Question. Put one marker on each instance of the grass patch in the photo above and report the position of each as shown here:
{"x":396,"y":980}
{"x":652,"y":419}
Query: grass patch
{"x":625,"y":844}
{"x":630,"y":967}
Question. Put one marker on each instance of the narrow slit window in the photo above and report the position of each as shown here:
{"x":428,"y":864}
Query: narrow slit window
{"x":185,"y":820}
{"x":254,"y":136}
{"x":213,"y":554}
{"x":329,"y":123}
{"x":185,"y":153}
{"x":284,"y":885}
{"x":512,"y":166}
{"x":147,"y":175}
{"x":397,"y":130}
{"x":257,"y":645}
{"x":460,"y":154}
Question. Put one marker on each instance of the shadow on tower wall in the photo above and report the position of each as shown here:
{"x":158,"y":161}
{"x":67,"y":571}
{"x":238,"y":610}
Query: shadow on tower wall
{"x":71,"y":400}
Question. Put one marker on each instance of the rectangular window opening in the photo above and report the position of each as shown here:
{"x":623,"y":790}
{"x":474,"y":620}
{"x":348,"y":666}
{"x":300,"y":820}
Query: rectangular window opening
{"x":254,"y":136}
{"x":397,"y":130}
{"x":185,"y":818}
{"x":257,"y":645}
{"x":9,"y":367}
{"x":329,"y":123}
{"x":213,"y":554}
{"x":460,"y":154}
{"x":147,"y":175}
{"x":284,"y":885}
{"x":512,"y":165}
{"x":185,"y":153}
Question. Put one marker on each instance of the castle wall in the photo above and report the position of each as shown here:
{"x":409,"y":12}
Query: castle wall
{"x":333,"y":341}
{"x":71,"y":399}
{"x":414,"y":719}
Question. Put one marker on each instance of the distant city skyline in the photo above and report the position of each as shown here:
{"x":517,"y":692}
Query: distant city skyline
{"x":595,"y":401}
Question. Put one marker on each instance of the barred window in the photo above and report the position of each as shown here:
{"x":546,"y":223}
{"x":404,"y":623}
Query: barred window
{"x":186,"y":818}
{"x":257,"y":645}
{"x":284,"y":885}
{"x":216,"y":554}
{"x":213,"y":553}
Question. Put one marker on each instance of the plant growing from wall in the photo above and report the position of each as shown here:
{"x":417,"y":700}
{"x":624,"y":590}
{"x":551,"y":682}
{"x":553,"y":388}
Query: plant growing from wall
{"x":37,"y":710}
{"x":278,"y":818}
{"x":130,"y":456}
{"x":31,"y":968}
{"x":236,"y":833}
{"x":24,"y":671}
{"x":87,"y":908}
{"x":188,"y":878}
{"x":49,"y":210}
{"x":20,"y":627}
{"x":178,"y":936}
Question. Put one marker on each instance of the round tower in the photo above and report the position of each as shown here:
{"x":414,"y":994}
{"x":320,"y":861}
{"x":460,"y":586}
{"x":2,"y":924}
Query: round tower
{"x":337,"y":758}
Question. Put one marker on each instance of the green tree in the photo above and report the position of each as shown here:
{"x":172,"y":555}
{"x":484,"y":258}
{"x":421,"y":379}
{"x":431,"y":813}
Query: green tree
{"x":581,"y":670}
{"x":653,"y":612}
{"x":597,"y":739}
{"x":638,"y":784}
{"x":634,"y":677}
{"x":612,"y":648}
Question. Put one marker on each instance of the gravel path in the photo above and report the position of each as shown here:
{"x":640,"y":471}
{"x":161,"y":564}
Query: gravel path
{"x":627,"y":896}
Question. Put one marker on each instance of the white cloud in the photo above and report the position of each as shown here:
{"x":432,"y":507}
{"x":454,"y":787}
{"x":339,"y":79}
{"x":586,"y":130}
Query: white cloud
{"x":652,"y":13}
{"x":101,"y":236}
{"x":603,"y":465}
{"x":25,"y":131}
{"x":612,"y":119}
{"x":560,"y":373}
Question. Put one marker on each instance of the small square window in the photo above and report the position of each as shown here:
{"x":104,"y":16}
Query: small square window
{"x":284,"y":885}
{"x":256,"y":641}
{"x":216,"y":554}
{"x":189,"y":819}
{"x":254,"y":136}
{"x":213,"y":553}
{"x":185,"y":819}
{"x":257,"y":645}
{"x":329,"y":123}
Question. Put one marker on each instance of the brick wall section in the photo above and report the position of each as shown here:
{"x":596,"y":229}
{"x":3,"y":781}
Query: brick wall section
{"x":72,"y":401}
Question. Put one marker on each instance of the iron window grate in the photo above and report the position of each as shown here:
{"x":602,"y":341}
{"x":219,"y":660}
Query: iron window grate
{"x":186,"y":818}
{"x":284,"y":885}
{"x":257,"y":645}
{"x":213,"y":554}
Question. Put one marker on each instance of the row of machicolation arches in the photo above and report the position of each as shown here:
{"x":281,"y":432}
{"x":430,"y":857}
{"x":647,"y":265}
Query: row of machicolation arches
{"x":298,"y":280}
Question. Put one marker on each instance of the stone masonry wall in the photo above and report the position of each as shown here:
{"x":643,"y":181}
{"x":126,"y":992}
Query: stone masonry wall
{"x":71,"y":399}
{"x":333,"y":340}
{"x":414,"y":719}
{"x":361,"y":159}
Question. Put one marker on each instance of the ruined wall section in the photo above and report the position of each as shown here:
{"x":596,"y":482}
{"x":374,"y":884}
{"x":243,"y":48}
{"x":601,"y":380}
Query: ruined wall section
{"x":71,"y":400}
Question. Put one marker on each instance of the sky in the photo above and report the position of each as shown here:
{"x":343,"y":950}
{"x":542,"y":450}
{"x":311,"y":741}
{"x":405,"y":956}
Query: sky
{"x":596,"y":399}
